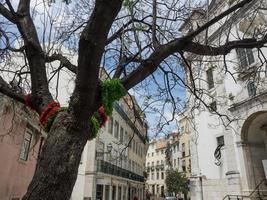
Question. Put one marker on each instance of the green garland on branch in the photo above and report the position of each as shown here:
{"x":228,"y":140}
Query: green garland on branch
{"x":95,"y":126}
{"x":51,"y":119}
{"x":111,"y":91}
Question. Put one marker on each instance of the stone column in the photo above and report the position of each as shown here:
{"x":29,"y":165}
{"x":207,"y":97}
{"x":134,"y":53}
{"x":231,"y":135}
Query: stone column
{"x":117,"y":192}
{"x":121,"y":192}
{"x":127,"y":188}
{"x":229,"y":153}
{"x":264,"y":128}
{"x":104,"y":192}
{"x":110,"y":192}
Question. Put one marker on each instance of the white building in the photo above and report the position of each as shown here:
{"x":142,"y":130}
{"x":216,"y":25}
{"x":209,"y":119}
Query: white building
{"x":109,"y":169}
{"x":227,"y":158}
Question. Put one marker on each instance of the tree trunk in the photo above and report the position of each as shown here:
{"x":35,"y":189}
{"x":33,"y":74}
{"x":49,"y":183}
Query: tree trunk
{"x":58,"y":164}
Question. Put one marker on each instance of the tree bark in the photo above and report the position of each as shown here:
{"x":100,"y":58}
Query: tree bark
{"x":57,"y":166}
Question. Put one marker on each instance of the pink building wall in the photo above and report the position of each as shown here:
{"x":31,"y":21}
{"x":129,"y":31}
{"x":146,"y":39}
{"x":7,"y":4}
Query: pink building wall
{"x":15,"y":174}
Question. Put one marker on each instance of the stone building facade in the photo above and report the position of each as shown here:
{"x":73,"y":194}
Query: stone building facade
{"x":228,"y":135}
{"x":113,"y":164}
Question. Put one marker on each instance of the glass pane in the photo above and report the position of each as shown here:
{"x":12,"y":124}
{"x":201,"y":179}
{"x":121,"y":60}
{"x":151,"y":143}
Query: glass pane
{"x":250,"y":56}
{"x":242,"y":58}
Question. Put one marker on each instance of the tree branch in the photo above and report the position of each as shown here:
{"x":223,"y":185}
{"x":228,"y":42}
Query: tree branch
{"x":7,"y":90}
{"x":216,"y":19}
{"x":91,"y":47}
{"x":207,"y":50}
{"x":177,"y":46}
{"x":119,"y":32}
{"x":64,"y":61}
{"x":7,"y":14}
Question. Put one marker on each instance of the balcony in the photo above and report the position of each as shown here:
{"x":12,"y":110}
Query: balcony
{"x":107,"y":168}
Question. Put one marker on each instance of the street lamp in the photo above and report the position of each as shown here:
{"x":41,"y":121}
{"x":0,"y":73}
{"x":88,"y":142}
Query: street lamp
{"x":100,"y":154}
{"x":109,"y":148}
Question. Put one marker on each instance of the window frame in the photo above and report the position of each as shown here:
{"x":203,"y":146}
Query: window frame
{"x":251,"y":89}
{"x":246,"y":58}
{"x":210,"y":78}
{"x":26,"y":149}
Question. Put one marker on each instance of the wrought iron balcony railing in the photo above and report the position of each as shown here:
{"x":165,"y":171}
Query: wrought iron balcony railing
{"x":108,"y":168}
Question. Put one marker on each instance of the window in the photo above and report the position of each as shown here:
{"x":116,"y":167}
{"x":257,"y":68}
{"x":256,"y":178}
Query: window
{"x":183,"y":166}
{"x":220,"y":140}
{"x":152,"y":164}
{"x":126,"y":138}
{"x":174,"y":163}
{"x":148,"y":164}
{"x":157,"y":176}
{"x":157,"y":152}
{"x":116,"y":131}
{"x":189,"y":166}
{"x":147,"y":154}
{"x":152,"y":176}
{"x":162,"y":152}
{"x":210,"y":78}
{"x":121,"y":135}
{"x":25,"y":146}
{"x":183,"y":149}
{"x":152,"y":154}
{"x":182,"y":129}
{"x":189,"y":147}
{"x":133,"y":145}
{"x":213,"y":106}
{"x":162,"y":175}
{"x":251,"y":89}
{"x":245,"y":57}
{"x":110,"y":125}
{"x":129,"y":164}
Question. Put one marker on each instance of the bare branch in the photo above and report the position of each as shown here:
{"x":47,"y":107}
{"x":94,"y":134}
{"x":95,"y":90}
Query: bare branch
{"x":64,"y":61}
{"x":6,"y":89}
{"x":216,"y":19}
{"x":7,"y":14}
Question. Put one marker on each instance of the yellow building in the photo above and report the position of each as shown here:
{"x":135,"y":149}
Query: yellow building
{"x":184,"y":140}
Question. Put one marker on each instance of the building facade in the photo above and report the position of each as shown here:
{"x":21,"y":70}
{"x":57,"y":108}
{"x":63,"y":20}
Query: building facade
{"x":113,"y":164}
{"x":184,"y":143}
{"x":156,"y":168}
{"x":20,"y":142}
{"x":228,"y":135}
{"x":169,"y":153}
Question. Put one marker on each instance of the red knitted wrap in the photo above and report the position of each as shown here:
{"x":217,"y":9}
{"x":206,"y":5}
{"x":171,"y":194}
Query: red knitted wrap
{"x":104,"y":117}
{"x":49,"y":111}
{"x":27,"y":100}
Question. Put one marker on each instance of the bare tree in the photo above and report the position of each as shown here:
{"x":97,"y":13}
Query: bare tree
{"x":135,"y":41}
